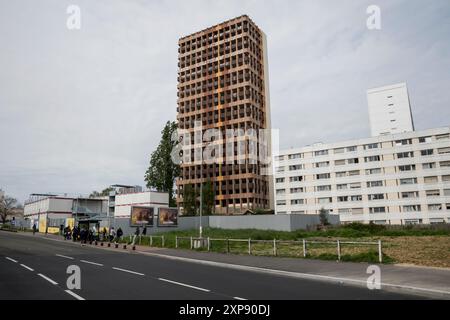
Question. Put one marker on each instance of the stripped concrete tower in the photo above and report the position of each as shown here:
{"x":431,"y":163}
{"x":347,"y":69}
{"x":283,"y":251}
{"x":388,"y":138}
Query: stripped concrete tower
{"x":223,"y":84}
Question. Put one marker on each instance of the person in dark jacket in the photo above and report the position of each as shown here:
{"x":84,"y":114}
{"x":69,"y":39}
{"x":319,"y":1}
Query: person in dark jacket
{"x":34,"y":228}
{"x":119,"y":234}
{"x":144,"y":231}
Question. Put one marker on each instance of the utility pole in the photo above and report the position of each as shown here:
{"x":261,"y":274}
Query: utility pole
{"x":201,"y":199}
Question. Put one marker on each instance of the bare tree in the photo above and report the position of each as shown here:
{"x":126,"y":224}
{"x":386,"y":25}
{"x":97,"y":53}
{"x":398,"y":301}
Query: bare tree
{"x":7,"y":206}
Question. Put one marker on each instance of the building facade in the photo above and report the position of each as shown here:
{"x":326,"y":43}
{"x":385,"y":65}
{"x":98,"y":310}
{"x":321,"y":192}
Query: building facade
{"x":389,"y":179}
{"x":389,"y":110}
{"x":223,"y":85}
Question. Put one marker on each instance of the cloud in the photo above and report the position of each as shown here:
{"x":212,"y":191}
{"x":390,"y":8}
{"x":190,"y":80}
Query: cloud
{"x":80,"y":110}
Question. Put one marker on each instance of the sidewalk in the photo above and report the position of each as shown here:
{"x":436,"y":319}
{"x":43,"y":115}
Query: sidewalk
{"x":423,"y":281}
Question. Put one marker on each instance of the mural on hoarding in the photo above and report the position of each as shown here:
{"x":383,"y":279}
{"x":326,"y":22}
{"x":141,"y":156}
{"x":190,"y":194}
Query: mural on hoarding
{"x":168,"y":217}
{"x":141,"y":216}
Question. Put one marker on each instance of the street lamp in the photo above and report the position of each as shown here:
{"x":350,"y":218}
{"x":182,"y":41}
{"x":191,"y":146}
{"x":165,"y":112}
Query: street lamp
{"x":201,"y":199}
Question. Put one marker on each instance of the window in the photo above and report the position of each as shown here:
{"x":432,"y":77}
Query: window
{"x":342,"y":199}
{"x":411,"y":208}
{"x":357,"y":211}
{"x":408,"y":167}
{"x":324,"y":200}
{"x":297,"y":201}
{"x":428,"y":165}
{"x":444,"y":164}
{"x":296,"y":179}
{"x":447,"y":205}
{"x":279,"y":158}
{"x":339,"y":150}
{"x":281,"y":202}
{"x":296,"y":190}
{"x":353,"y":161}
{"x":296,"y":167}
{"x":339,"y":162}
{"x":373,"y":184}
{"x":281,"y":191}
{"x":377,"y":210}
{"x":403,"y":155}
{"x":323,"y":188}
{"x":371,"y":146}
{"x":340,"y":174}
{"x":408,"y":181}
{"x":447,"y":192}
{"x":435,"y":207}
{"x":377,"y":196}
{"x":373,"y":171}
{"x":345,"y":186}
{"x":351,"y":149}
{"x":295,"y":156}
{"x":322,"y":176}
{"x":413,"y":221}
{"x":403,"y":142}
{"x":445,"y":136}
{"x":355,"y":185}
{"x":356,"y":198}
{"x":279,"y":169}
{"x":321,"y":153}
{"x":323,"y":164}
{"x":444,"y":150}
{"x":410,"y":194}
{"x":372,"y":158}
{"x":279,"y":180}
{"x":446,"y":178}
{"x":433,"y":193}
{"x":344,"y":211}
{"x":425,"y":139}
{"x":427,"y":152}
{"x":436,"y":220}
{"x":353,"y":173}
{"x":433,"y":179}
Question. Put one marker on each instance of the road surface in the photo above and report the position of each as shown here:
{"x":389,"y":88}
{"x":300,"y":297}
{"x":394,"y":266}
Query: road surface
{"x":33,"y":267}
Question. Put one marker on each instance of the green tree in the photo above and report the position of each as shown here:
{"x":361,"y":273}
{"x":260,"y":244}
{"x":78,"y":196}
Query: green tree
{"x":162,"y":172}
{"x":7,"y":206}
{"x":208,"y":198}
{"x":190,"y":196}
{"x":323,"y":216}
{"x":104,"y":192}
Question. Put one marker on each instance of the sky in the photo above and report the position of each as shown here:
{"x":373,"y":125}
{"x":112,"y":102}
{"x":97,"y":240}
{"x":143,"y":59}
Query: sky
{"x":83,"y":109}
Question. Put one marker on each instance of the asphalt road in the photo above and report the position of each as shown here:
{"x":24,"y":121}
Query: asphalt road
{"x":36,"y":268}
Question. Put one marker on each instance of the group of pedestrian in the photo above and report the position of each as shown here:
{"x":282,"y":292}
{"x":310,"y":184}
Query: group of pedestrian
{"x":85,"y":235}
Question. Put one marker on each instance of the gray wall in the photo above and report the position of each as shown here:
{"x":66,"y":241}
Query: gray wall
{"x":279,"y":222}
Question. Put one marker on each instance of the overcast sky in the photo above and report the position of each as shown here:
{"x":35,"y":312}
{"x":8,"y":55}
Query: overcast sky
{"x":83,"y":109}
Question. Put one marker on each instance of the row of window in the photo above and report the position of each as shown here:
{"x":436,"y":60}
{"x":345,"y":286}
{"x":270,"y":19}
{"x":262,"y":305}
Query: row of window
{"x":371,"y":146}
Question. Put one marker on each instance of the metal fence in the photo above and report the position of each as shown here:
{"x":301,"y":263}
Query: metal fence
{"x":249,"y":245}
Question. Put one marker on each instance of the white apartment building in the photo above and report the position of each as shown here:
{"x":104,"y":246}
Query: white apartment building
{"x":399,"y":178}
{"x":389,"y":110}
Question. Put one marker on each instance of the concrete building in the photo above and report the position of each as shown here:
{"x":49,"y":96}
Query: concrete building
{"x":389,"y":110}
{"x":401,"y":178}
{"x":124,"y":202}
{"x":223,"y":84}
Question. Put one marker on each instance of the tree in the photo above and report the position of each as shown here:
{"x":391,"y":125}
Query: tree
{"x":208,"y":198}
{"x":162,"y":172}
{"x":323,"y":216}
{"x":105,"y":192}
{"x":7,"y":206}
{"x":190,"y":196}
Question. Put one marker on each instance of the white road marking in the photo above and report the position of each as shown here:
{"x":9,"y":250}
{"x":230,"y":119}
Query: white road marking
{"x":26,"y":267}
{"x":10,"y":259}
{"x":129,"y":271}
{"x":94,"y":263}
{"x":298,"y":275}
{"x":60,"y":255}
{"x":73,"y":294}
{"x":48,"y":279}
{"x":239,"y":298}
{"x":184,"y":285}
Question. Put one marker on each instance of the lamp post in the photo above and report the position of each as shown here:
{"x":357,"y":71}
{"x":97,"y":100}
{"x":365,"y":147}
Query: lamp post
{"x":201,"y":199}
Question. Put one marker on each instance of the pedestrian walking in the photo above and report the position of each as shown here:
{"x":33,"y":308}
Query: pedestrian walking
{"x":119,"y":234}
{"x":112,"y":234}
{"x":144,"y":231}
{"x":34,"y":228}
{"x":136,"y":234}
